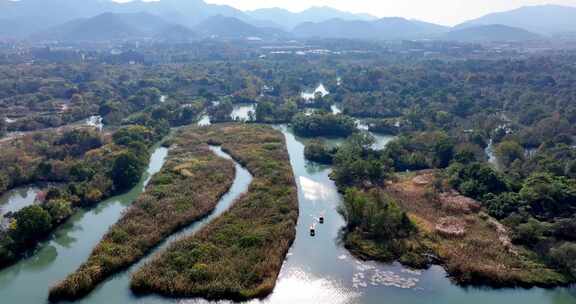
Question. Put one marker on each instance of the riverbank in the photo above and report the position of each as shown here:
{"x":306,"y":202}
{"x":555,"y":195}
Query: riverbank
{"x":238,"y":256}
{"x":186,"y":189}
{"x":88,"y":167}
{"x":474,"y":248}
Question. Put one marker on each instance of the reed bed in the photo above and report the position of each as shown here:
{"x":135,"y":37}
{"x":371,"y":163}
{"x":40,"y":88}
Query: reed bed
{"x":239,"y":255}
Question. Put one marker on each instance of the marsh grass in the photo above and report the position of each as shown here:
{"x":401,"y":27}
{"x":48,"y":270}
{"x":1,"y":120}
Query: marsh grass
{"x":238,"y":256}
{"x":479,"y":256}
{"x":187,"y":188}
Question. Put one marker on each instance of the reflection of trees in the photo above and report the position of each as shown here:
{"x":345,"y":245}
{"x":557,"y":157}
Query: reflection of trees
{"x":40,"y":261}
{"x":562,"y":295}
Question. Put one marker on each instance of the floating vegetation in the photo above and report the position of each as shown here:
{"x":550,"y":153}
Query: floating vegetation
{"x":367,"y":274}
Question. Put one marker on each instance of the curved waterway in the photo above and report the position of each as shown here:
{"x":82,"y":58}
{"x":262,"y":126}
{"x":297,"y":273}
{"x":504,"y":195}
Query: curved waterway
{"x":317,"y":269}
{"x":28,"y":281}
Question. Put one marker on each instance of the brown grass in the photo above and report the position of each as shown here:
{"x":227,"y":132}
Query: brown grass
{"x":239,"y":255}
{"x":482,"y":254}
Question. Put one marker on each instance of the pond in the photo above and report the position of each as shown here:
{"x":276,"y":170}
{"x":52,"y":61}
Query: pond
{"x":96,"y":122}
{"x":320,"y":89}
{"x":243,"y":112}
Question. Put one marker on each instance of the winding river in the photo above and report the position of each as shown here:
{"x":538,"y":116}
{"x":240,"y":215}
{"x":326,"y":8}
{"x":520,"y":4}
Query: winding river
{"x":317,"y":270}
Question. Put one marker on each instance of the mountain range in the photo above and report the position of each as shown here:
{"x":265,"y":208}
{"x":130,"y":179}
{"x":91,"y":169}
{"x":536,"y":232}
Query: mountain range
{"x":542,"y":19}
{"x":385,"y":28}
{"x":106,"y":20}
{"x":288,"y":20}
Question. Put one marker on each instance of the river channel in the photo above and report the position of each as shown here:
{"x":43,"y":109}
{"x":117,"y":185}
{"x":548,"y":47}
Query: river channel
{"x":317,"y":269}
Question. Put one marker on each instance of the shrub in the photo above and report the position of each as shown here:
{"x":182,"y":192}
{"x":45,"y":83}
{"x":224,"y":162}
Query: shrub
{"x":375,"y":215}
{"x":31,"y":222}
{"x":126,"y":171}
{"x":502,"y":205}
{"x":530,"y":233}
{"x":323,"y":124}
{"x":476,"y":180}
{"x":549,"y":194}
{"x":564,"y":256}
{"x":59,"y":210}
{"x":317,"y":151}
{"x":131,"y":134}
{"x":508,"y":152}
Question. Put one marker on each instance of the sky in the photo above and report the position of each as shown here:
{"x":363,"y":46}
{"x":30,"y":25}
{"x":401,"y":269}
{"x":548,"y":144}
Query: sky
{"x":445,"y":12}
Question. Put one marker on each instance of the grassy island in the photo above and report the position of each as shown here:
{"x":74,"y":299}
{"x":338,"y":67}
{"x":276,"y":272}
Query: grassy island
{"x":187,"y":188}
{"x":239,"y":255}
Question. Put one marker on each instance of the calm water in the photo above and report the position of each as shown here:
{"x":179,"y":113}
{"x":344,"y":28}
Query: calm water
{"x":29,"y":280}
{"x":242,"y":112}
{"x":317,"y":269}
{"x":17,"y":199}
{"x":320,"y":89}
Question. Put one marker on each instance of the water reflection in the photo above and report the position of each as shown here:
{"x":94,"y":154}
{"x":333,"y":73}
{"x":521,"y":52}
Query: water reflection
{"x":312,"y":190}
{"x":96,"y":122}
{"x":320,"y":89}
{"x":16,"y":199}
{"x":204,"y":121}
{"x":42,"y":259}
{"x":300,"y":286}
{"x":243,"y":112}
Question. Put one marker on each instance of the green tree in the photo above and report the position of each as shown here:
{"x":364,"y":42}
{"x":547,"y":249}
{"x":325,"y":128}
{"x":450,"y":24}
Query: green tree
{"x":565,"y":257}
{"x":126,"y":171}
{"x":375,"y":215}
{"x":317,"y":151}
{"x":32,"y":222}
{"x":59,"y":210}
{"x":323,"y":124}
{"x":549,"y":194}
{"x":508,"y":152}
{"x":502,"y":205}
{"x":136,"y":133}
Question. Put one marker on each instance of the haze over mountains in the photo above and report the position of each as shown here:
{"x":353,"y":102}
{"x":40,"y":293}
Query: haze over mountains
{"x":543,"y":19}
{"x":194,"y":19}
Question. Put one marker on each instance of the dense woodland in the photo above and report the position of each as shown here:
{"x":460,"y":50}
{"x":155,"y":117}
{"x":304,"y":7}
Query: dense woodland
{"x":445,"y":113}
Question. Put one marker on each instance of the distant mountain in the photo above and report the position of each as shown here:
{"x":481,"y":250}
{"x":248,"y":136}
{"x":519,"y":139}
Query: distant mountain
{"x":381,"y":29}
{"x":289,"y":20}
{"x":33,"y":15}
{"x":230,"y":27}
{"x":486,"y":33}
{"x":30,"y":16}
{"x":543,"y":19}
{"x":107,"y":26}
{"x":176,"y":33}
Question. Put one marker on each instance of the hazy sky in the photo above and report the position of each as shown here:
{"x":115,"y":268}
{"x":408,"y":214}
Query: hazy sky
{"x":447,"y":12}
